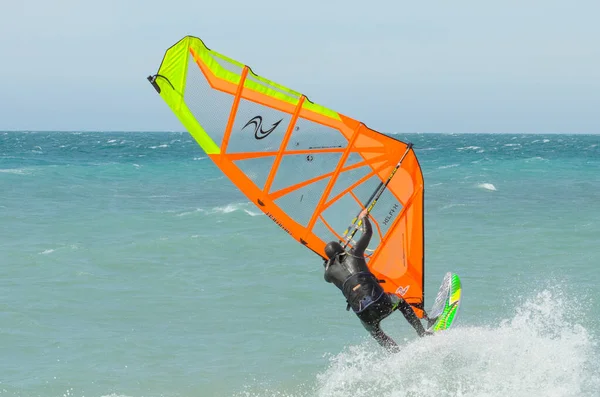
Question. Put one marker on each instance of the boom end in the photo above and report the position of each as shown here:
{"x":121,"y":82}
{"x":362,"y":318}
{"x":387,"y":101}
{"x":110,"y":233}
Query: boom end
{"x":152,"y":80}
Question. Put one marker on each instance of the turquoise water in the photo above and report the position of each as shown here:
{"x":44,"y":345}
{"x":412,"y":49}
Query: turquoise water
{"x":132,"y":267}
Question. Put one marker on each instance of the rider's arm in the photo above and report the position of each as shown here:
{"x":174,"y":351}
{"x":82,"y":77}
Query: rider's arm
{"x":363,"y":242}
{"x":326,"y":273}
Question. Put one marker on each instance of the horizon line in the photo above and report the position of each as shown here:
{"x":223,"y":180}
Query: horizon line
{"x":386,"y":133}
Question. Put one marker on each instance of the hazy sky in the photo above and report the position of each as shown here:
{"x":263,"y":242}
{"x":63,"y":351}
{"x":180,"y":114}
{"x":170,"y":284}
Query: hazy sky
{"x":432,"y":66}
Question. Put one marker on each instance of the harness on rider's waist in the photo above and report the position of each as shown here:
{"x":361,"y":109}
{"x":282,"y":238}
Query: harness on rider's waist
{"x":361,"y":291}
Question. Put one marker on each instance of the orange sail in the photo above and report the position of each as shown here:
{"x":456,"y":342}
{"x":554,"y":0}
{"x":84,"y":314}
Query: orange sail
{"x":309,"y":169}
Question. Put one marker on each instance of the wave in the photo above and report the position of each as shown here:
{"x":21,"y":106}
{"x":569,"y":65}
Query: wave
{"x":16,"y":171}
{"x":227,"y":209}
{"x":487,"y":186}
{"x":115,"y":394}
{"x":236,"y":207}
{"x":427,"y":149}
{"x":468,"y":148}
{"x":186,"y":213}
{"x":536,"y":158}
{"x":61,"y":247}
{"x":540,"y":351}
{"x":448,"y":206}
{"x":443,"y":167}
{"x":540,"y":140}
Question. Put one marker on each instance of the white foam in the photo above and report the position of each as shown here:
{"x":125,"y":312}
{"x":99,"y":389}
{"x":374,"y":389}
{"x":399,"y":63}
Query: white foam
{"x":115,"y":395}
{"x":227,"y":209}
{"x":540,"y":351}
{"x":428,"y":149}
{"x":443,"y":167}
{"x":159,"y":146}
{"x":253,"y":213}
{"x":487,"y":186}
{"x":16,"y":171}
{"x":536,"y":158}
{"x":448,"y":206}
{"x":186,"y":213}
{"x":468,"y":148}
{"x":48,"y":251}
{"x":200,"y":158}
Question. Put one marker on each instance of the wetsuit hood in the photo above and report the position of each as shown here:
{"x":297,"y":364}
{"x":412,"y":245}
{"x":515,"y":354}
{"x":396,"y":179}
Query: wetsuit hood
{"x":333,"y":249}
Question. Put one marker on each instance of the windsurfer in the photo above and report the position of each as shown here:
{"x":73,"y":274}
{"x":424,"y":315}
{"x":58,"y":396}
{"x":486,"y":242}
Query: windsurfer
{"x":349,"y":272}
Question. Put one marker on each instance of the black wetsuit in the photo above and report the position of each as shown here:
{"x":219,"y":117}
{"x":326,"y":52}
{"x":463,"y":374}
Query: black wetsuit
{"x":364,"y":294}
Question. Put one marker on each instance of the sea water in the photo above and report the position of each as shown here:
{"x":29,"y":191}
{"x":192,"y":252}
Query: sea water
{"x":130,"y":266}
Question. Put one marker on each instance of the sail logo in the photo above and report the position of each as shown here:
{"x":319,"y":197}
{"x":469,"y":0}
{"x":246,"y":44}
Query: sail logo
{"x":390,"y":214}
{"x":278,"y":223}
{"x":259,"y":133}
{"x":402,"y":290}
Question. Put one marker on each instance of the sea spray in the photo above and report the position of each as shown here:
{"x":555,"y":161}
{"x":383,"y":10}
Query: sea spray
{"x":540,"y":351}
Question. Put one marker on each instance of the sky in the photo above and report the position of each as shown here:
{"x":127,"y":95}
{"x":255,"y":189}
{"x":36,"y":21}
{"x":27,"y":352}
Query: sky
{"x":467,"y":66}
